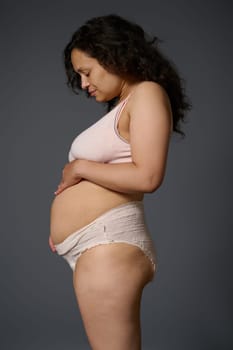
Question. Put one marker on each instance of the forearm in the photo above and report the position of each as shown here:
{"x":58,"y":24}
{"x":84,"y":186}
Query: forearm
{"x":120,"y":177}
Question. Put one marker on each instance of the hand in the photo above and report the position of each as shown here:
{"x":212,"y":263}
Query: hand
{"x":69,"y":176}
{"x":51,"y":245}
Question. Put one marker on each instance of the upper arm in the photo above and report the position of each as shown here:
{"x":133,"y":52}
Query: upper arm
{"x":150,"y":130}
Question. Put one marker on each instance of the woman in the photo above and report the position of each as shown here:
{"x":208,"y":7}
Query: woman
{"x":111,"y":165}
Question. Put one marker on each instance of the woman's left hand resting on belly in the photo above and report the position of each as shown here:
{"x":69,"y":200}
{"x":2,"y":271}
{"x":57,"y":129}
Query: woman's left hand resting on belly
{"x":150,"y":130}
{"x":69,"y":176}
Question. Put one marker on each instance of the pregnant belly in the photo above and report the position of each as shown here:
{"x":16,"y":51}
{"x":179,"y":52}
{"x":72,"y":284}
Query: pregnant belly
{"x":80,"y":204}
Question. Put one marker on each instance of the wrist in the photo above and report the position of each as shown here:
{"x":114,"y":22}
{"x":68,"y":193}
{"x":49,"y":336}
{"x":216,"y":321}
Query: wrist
{"x":80,"y":167}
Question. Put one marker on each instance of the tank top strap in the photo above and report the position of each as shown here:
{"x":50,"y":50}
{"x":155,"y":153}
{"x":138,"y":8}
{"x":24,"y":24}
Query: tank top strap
{"x":120,"y":108}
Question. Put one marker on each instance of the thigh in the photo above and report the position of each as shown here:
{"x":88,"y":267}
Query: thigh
{"x":108,"y":282}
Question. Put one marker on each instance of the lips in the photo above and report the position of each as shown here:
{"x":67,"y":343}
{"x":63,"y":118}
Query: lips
{"x":92,"y":92}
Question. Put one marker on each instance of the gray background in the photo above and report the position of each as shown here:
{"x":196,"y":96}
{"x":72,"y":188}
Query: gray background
{"x":189,"y":305}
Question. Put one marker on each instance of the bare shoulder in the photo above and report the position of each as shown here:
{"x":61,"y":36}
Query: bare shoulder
{"x":150,"y":101}
{"x":149,"y":90}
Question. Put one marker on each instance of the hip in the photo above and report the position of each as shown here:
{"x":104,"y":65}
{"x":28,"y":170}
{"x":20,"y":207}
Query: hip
{"x":124,"y":223}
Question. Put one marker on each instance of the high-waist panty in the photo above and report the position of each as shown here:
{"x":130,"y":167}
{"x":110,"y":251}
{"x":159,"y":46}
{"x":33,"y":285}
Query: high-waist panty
{"x":123,"y":223}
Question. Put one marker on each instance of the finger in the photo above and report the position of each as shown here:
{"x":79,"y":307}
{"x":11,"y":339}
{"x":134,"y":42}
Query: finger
{"x":60,"y":188}
{"x":51,"y":245}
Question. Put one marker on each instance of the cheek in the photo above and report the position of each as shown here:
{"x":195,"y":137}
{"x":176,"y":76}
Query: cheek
{"x":112,"y":81}
{"x":101,"y":81}
{"x":98,"y":79}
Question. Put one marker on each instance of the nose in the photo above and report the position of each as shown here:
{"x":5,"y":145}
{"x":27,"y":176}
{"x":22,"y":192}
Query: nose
{"x":84,"y":82}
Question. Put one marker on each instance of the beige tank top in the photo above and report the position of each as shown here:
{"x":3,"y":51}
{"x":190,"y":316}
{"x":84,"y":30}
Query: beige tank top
{"x":101,"y":142}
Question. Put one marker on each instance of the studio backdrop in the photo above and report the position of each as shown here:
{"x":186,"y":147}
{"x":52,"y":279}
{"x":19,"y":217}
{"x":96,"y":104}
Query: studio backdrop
{"x":189,"y":305}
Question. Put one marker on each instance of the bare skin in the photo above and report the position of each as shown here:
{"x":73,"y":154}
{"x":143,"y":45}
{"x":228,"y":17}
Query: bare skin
{"x":108,"y":282}
{"x":109,"y":279}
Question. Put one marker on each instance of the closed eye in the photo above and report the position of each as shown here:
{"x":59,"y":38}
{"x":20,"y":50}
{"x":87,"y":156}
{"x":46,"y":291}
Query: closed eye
{"x":80,"y":72}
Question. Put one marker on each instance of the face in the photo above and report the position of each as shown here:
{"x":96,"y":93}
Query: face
{"x":94,"y":78}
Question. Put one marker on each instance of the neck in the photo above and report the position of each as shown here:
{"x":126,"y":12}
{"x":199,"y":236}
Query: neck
{"x":126,"y":90}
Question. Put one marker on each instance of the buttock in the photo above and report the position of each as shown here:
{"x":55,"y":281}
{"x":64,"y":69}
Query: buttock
{"x":122,"y":224}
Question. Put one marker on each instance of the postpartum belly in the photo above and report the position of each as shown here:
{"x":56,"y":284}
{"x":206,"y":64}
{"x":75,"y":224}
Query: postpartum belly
{"x":80,"y":204}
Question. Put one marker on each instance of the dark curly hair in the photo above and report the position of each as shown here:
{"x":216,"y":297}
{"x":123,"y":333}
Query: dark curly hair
{"x":123,"y":48}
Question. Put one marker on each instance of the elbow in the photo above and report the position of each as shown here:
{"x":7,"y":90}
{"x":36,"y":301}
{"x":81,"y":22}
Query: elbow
{"x":153,"y":184}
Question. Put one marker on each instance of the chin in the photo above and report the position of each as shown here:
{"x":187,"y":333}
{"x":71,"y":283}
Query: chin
{"x":100,"y":99}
